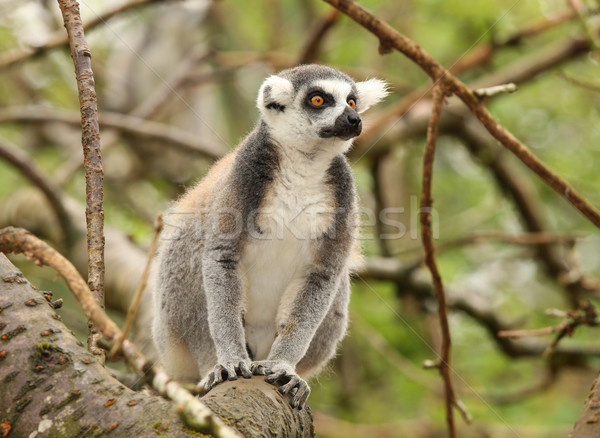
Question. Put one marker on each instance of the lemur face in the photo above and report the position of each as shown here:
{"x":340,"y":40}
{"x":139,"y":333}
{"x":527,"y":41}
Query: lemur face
{"x":330,"y":104}
{"x":309,"y":104}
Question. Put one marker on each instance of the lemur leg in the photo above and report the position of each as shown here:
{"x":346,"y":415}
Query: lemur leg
{"x":331,"y":331}
{"x":180,"y":326}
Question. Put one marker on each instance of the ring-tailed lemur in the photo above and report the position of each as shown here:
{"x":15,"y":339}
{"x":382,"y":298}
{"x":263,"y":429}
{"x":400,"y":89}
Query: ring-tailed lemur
{"x":254,"y":269}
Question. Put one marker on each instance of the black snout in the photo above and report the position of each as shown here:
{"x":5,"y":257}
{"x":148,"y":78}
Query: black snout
{"x":354,"y":120}
{"x":346,"y":126}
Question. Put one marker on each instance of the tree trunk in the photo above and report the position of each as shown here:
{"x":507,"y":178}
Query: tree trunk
{"x":51,"y":386}
{"x":588,"y":424}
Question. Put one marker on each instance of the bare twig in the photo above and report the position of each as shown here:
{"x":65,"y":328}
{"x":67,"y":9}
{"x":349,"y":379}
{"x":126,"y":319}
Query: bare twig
{"x":94,"y":173}
{"x":495,"y":90}
{"x":135,"y":303}
{"x":587,"y":314}
{"x":439,"y":94}
{"x":193,"y":411}
{"x":59,"y":39}
{"x":484,"y":52}
{"x":391,"y":39}
{"x":579,"y":82}
{"x":533,"y":332}
{"x":19,"y":158}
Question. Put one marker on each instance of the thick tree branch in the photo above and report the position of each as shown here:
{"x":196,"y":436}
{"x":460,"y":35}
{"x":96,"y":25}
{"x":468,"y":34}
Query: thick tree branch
{"x":18,"y":240}
{"x":588,"y":423}
{"x":49,"y":379}
{"x":52,"y":379}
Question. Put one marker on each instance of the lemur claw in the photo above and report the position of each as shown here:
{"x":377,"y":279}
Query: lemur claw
{"x":276,"y":372}
{"x":226,"y":371}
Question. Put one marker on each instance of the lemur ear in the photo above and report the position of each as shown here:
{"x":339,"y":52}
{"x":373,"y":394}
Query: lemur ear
{"x":370,"y":92}
{"x":274,"y":95}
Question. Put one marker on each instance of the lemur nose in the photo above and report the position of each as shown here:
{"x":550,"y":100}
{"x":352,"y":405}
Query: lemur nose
{"x":353,"y":119}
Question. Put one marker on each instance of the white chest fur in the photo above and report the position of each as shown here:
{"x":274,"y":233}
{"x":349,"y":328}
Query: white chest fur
{"x":297,"y":209}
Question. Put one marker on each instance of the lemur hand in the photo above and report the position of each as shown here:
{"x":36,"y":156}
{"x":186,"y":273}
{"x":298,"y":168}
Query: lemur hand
{"x":282,"y":372}
{"x":226,"y":371}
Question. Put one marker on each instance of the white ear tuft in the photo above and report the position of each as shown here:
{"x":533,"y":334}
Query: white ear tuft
{"x":370,"y":92}
{"x":274,"y":95}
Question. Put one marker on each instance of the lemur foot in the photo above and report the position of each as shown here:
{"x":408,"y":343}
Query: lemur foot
{"x":281,"y":372}
{"x":226,"y":371}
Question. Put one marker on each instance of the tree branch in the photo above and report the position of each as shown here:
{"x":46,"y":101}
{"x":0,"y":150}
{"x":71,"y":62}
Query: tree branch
{"x":524,"y":198}
{"x":94,"y":173}
{"x":311,"y":50}
{"x":588,"y":423}
{"x":58,"y":39}
{"x":135,"y":304}
{"x":483,"y":53}
{"x":391,"y":39}
{"x":19,"y":158}
{"x":18,"y":240}
{"x":443,"y":364}
{"x":50,"y":376}
{"x":141,"y":128}
{"x":389,"y":269}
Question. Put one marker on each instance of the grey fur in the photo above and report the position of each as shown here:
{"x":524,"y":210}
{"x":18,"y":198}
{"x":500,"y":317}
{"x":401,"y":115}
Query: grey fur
{"x":200,"y":299}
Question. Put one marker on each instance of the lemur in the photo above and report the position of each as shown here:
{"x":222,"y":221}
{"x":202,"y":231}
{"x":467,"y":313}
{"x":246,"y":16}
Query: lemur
{"x":253,"y":271}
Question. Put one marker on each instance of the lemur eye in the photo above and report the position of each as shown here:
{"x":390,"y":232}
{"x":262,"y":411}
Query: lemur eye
{"x":351,"y":103}
{"x":317,"y":100}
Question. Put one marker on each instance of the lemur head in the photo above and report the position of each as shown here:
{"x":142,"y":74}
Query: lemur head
{"x":309,"y":106}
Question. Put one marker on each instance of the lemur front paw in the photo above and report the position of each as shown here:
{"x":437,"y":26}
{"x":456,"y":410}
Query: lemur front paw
{"x":226,"y":371}
{"x":281,"y":372}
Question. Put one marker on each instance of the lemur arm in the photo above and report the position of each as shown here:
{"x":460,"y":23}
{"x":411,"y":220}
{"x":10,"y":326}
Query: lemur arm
{"x":224,"y":300}
{"x":306,"y":312}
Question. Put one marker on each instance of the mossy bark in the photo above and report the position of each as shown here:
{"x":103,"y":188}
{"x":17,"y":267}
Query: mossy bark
{"x":588,"y":424}
{"x":51,"y":386}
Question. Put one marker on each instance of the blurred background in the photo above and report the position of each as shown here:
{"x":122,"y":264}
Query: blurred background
{"x":176,"y":84}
